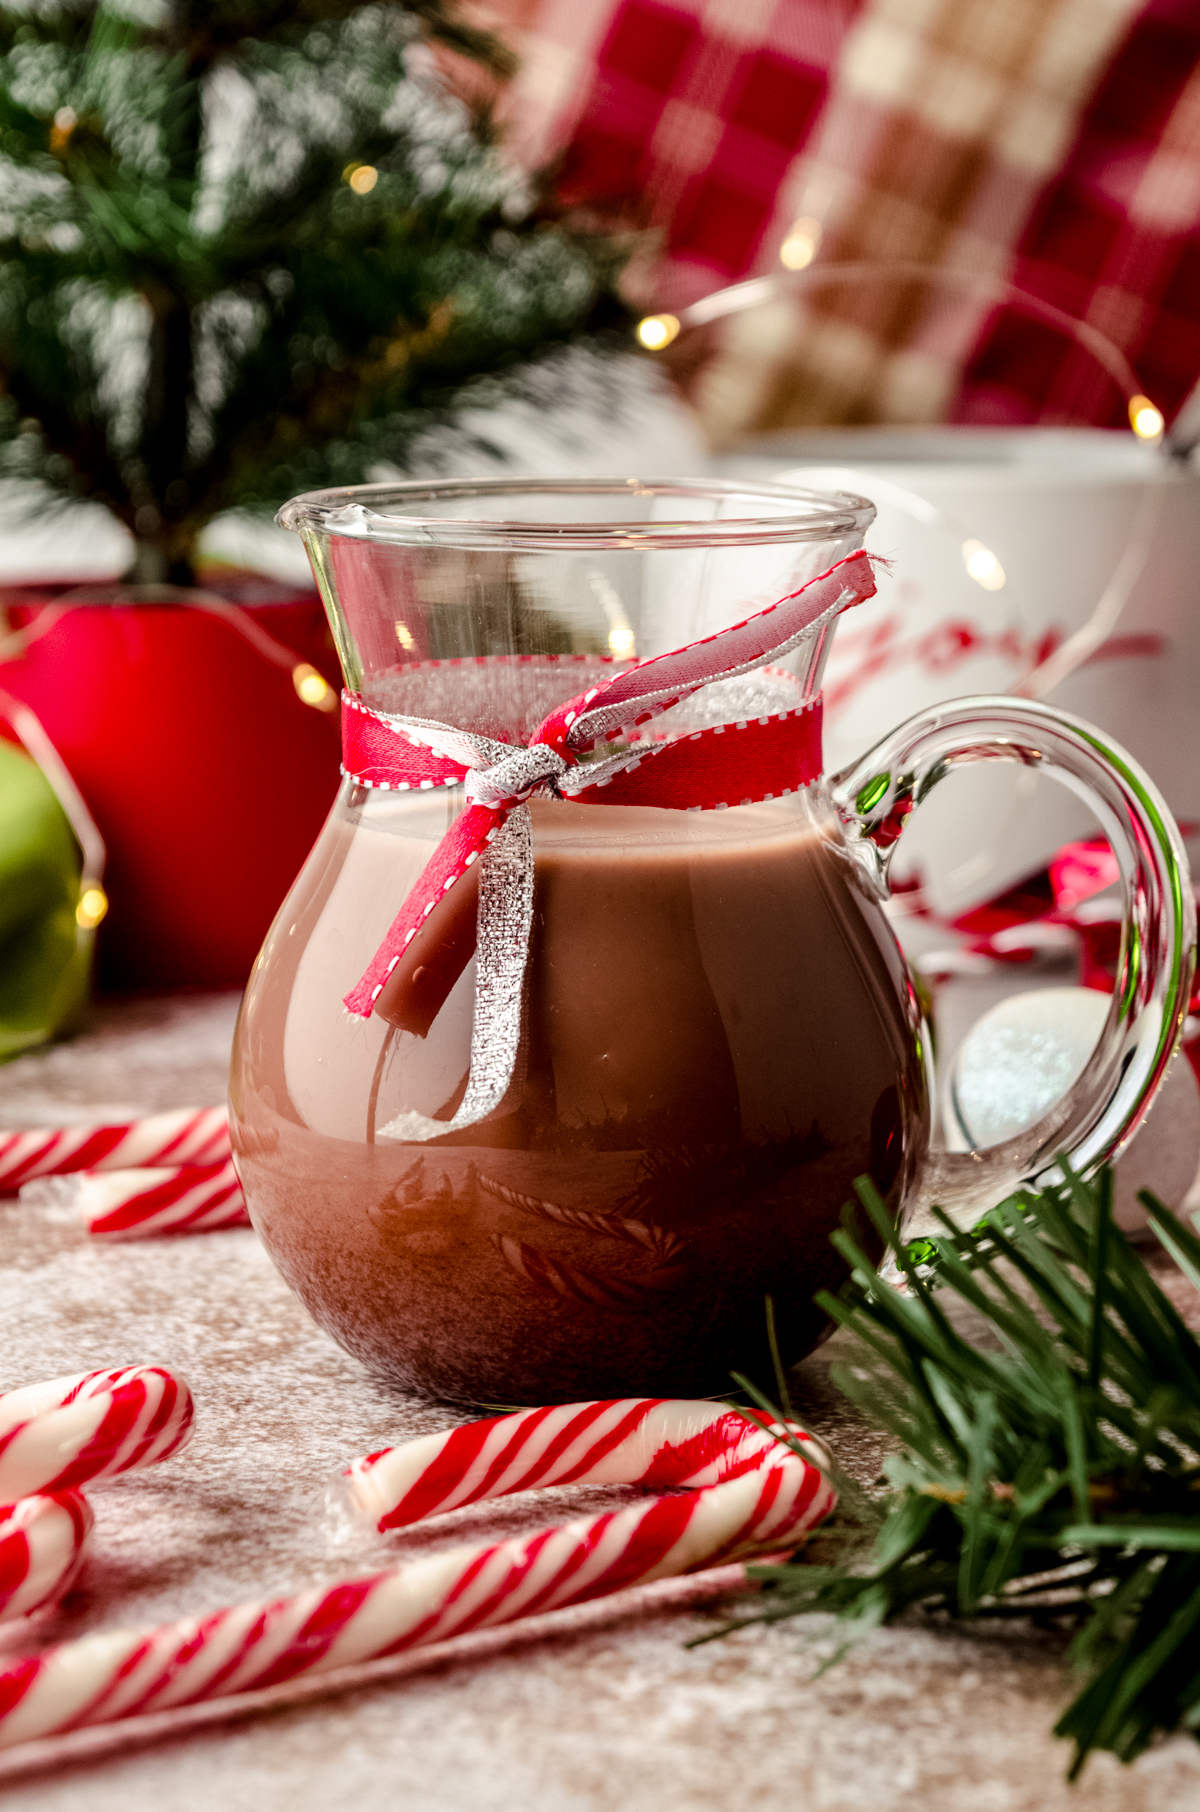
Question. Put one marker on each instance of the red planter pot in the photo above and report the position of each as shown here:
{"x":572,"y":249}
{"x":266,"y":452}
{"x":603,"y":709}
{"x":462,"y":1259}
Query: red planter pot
{"x":208,"y":777}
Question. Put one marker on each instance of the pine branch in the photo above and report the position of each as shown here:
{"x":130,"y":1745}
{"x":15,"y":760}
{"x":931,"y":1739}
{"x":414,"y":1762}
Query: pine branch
{"x":189,"y":325}
{"x":1057,"y":1477}
{"x":212,"y":30}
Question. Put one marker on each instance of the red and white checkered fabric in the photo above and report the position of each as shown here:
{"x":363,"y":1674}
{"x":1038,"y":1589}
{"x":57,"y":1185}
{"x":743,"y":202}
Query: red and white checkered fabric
{"x":687,"y":116}
{"x":1114,"y":237}
{"x":1054,"y":143}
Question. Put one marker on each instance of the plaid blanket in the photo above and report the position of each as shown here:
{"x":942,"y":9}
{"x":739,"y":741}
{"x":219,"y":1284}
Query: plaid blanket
{"x":1054,"y":143}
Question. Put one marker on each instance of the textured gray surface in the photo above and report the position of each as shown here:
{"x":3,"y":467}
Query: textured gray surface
{"x":615,"y":1715}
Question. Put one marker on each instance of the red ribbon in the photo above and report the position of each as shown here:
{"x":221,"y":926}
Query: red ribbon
{"x":703,"y":770}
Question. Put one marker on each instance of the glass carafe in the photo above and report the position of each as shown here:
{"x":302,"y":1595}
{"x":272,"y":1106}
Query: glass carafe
{"x":567,"y":1148}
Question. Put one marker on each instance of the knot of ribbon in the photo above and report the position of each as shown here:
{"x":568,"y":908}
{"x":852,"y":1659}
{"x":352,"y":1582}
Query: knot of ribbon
{"x":763,"y":755}
{"x":515,"y":777}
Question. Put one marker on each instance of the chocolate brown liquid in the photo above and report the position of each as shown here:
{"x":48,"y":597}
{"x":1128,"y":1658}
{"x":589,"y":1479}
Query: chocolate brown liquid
{"x":721,"y":1038}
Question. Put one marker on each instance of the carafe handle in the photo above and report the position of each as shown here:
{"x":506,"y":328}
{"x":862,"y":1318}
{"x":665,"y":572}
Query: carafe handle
{"x":1100,"y":1113}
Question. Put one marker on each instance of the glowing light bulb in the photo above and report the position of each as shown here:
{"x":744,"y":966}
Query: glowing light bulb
{"x":93,"y":904}
{"x":361,"y":177}
{"x":621,"y":641}
{"x":983,"y":565}
{"x":312,"y":688}
{"x":800,"y":247}
{"x":405,"y":637}
{"x":1145,"y":420}
{"x":64,"y":124}
{"x":657,"y":331}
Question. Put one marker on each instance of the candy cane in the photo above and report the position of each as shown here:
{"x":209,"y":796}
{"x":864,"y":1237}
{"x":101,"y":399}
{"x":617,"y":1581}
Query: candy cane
{"x":42,"y":1541}
{"x":61,"y":1434}
{"x":186,"y":1137}
{"x":752,"y":1493}
{"x":139,"y":1204}
{"x":635,"y":1440}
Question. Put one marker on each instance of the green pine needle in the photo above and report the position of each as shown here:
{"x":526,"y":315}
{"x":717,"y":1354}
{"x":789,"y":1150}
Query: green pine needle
{"x":1055,"y":1477}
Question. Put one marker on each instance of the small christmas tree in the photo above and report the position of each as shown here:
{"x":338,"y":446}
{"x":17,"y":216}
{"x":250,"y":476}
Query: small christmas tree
{"x":253,"y":246}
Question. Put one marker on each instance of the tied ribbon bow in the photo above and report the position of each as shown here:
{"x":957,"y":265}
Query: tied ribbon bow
{"x":758,"y":758}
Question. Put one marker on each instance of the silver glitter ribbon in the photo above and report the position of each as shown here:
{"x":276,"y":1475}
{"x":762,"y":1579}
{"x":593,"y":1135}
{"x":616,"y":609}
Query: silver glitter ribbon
{"x":502,"y":958}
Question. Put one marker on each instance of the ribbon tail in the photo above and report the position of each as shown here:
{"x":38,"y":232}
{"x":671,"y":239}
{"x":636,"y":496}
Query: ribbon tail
{"x":652,"y":686}
{"x":502,"y":957}
{"x":469,"y":835}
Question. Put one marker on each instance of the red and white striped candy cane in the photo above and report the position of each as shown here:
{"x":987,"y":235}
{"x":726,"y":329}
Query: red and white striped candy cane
{"x":66,"y":1432}
{"x":754,"y":1494}
{"x":634,"y":1440}
{"x":186,"y":1137}
{"x":42,"y":1540}
{"x":140,"y":1204}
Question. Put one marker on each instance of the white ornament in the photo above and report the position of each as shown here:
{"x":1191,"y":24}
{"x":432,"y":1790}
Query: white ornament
{"x":1024,"y":1055}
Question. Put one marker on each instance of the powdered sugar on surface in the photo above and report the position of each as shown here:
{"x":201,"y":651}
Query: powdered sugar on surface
{"x":613,"y":1714}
